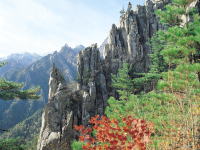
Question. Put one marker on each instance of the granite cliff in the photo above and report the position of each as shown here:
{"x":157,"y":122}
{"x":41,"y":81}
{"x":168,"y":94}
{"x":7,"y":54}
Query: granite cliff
{"x":68,"y":107}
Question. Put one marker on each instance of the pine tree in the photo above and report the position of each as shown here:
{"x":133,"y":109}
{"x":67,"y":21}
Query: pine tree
{"x":173,"y":106}
{"x":12,"y":90}
{"x":180,"y":84}
{"x":123,"y":82}
{"x":145,"y":82}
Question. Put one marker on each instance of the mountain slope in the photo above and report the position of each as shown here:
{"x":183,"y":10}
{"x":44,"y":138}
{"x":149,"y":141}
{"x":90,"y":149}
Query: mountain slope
{"x":26,"y":129}
{"x":17,"y":62}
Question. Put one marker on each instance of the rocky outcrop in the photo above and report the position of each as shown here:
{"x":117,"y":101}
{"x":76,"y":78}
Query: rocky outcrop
{"x":126,"y":43}
{"x":92,"y":81}
{"x":129,"y":42}
{"x":58,"y":117}
{"x":68,"y":107}
{"x":52,"y":118}
{"x":188,"y":18}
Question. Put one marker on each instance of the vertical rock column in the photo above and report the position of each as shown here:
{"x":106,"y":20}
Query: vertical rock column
{"x":57,"y":119}
{"x":92,"y":81}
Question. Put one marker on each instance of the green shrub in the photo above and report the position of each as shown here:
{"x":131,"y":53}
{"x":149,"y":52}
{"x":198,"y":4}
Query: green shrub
{"x":76,"y":145}
{"x":11,"y":144}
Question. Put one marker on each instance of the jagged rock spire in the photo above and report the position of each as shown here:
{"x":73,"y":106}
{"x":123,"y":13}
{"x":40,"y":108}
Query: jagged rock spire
{"x":129,"y":7}
{"x":56,"y":80}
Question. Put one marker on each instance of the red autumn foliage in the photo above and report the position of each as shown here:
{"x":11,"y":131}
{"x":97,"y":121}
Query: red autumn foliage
{"x":130,"y":134}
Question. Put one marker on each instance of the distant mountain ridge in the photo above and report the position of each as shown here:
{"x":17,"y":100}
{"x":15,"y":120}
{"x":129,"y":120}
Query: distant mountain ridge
{"x":36,"y":74}
{"x":16,"y":62}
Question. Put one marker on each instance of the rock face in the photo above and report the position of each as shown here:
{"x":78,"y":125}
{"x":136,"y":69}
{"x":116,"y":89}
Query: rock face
{"x":126,"y":43}
{"x":57,"y":118}
{"x":68,"y":107}
{"x":92,"y":80}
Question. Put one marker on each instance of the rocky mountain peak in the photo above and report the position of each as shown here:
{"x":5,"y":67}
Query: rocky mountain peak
{"x":56,"y":81}
{"x":129,"y":7}
{"x":66,"y":46}
{"x":79,"y":48}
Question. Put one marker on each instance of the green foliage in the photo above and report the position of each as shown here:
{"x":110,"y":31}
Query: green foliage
{"x":27,"y":131}
{"x":122,"y":82}
{"x":171,"y":45}
{"x":12,"y":90}
{"x":11,"y":144}
{"x":77,"y":145}
{"x":2,"y":64}
{"x":32,"y":144}
{"x":171,"y":16}
{"x":115,"y":109}
{"x":158,"y":63}
{"x":146,"y":81}
{"x":173,"y":106}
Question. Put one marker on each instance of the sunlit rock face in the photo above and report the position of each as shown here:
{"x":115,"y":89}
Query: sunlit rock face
{"x":128,"y":42}
{"x":62,"y":111}
{"x":53,"y":119}
{"x":192,"y":4}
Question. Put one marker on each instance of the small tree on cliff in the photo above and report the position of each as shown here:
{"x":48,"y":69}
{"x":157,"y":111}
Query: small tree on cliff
{"x":122,"y":82}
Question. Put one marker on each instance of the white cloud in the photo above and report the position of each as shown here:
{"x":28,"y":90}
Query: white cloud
{"x":42,"y":26}
{"x":21,"y":25}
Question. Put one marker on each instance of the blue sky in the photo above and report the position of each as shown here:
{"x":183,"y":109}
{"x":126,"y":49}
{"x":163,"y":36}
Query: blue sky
{"x":43,"y":26}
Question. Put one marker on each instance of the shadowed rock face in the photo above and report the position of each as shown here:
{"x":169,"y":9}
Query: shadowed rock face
{"x":69,"y":107}
{"x":59,"y":115}
{"x":92,"y":80}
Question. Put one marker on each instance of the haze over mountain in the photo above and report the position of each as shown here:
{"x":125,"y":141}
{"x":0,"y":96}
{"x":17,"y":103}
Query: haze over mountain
{"x":17,"y":62}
